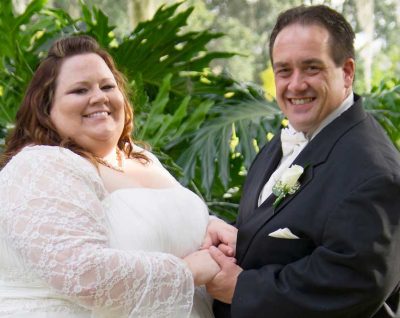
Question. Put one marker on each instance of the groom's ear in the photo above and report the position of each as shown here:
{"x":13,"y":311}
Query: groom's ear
{"x":348,"y":68}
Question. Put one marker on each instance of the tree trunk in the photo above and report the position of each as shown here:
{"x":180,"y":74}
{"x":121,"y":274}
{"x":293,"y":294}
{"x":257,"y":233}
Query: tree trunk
{"x":140,"y":10}
{"x":365,"y":16}
{"x":72,"y":6}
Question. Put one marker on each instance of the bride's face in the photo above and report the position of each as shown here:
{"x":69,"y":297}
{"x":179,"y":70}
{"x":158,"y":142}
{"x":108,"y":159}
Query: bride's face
{"x":88,"y":105}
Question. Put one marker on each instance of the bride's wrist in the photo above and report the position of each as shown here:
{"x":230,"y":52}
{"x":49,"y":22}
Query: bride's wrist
{"x":192,"y":270}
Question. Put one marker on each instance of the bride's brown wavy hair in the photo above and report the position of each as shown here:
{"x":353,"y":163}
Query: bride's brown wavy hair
{"x":33,"y":125}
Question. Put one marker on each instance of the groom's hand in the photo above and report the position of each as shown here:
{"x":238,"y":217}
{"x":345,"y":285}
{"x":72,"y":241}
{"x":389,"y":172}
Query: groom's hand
{"x":221,"y":235}
{"x":223,"y":285}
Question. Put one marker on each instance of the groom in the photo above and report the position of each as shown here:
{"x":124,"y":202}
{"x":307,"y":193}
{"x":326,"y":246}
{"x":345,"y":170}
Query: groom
{"x":327,"y":245}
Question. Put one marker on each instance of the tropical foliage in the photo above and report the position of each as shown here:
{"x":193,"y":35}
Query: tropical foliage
{"x":384,"y":103}
{"x":184,"y":111}
{"x":205,"y":127}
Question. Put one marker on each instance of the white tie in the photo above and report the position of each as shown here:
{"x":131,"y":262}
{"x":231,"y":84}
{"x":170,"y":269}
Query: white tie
{"x":291,"y":140}
{"x":293,"y":143}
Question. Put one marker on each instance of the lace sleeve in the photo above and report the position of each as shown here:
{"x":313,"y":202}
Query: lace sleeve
{"x":52,"y":216}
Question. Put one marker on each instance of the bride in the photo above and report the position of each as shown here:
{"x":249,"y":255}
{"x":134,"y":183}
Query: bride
{"x":91,"y":225}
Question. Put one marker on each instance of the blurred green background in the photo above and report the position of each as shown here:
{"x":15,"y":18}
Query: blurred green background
{"x":247,"y":24}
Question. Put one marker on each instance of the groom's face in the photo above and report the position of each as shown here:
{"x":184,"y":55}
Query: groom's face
{"x":309,"y":85}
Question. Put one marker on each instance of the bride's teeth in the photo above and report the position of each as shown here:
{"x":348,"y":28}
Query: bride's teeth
{"x":300,"y":101}
{"x":98,"y":114}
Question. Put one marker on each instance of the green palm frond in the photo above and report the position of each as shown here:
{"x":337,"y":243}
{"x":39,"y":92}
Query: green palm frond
{"x":250,"y":120}
{"x":158,"y":47}
{"x":384,"y":104}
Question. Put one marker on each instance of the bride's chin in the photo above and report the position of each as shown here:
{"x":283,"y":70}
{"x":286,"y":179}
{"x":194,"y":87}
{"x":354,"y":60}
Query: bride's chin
{"x":100,"y":147}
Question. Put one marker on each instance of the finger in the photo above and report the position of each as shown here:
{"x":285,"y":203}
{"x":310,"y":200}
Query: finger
{"x":218,"y":256}
{"x":227,"y":237}
{"x":207,"y":242}
{"x":231,"y":259}
{"x":227,"y":250}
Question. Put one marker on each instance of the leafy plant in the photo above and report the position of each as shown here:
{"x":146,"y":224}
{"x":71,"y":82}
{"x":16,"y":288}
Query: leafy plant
{"x":205,"y":127}
{"x":23,"y":39}
{"x":384,"y":104}
{"x":174,"y":93}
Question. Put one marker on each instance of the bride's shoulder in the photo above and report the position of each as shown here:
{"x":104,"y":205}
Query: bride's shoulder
{"x":45,"y":153}
{"x":153,"y":158}
{"x":44,"y":157}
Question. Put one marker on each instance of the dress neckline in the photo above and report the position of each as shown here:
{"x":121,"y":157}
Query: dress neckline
{"x":145,"y":189}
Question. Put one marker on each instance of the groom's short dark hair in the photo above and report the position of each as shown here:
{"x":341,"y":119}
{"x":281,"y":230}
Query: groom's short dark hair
{"x":340,"y":31}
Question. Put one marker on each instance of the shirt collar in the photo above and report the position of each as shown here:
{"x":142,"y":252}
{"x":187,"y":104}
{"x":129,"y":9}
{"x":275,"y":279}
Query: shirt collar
{"x":346,"y":104}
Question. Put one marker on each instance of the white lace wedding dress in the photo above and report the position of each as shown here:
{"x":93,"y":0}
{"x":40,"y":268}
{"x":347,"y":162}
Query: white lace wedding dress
{"x":69,"y":249}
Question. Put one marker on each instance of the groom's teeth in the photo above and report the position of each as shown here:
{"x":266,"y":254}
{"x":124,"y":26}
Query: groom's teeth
{"x":300,"y":101}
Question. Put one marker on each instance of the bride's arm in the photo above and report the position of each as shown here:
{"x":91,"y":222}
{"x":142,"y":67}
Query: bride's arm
{"x":52,"y":216}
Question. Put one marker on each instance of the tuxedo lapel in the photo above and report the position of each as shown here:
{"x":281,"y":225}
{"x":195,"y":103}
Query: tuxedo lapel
{"x":317,"y":150}
{"x":315,"y":153}
{"x":264,"y":213}
{"x":303,"y":180}
{"x":262,"y":168}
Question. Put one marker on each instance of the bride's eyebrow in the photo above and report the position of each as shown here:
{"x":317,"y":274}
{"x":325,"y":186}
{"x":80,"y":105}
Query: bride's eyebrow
{"x":79,"y":83}
{"x":84,"y":82}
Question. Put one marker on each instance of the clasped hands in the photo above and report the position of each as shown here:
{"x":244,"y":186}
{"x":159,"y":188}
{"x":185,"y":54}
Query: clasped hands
{"x":214,"y":265}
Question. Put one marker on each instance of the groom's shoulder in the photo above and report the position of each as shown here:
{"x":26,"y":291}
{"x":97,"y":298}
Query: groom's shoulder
{"x":367,"y":147}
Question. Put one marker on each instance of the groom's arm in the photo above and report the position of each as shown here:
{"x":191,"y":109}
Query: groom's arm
{"x":223,"y":285}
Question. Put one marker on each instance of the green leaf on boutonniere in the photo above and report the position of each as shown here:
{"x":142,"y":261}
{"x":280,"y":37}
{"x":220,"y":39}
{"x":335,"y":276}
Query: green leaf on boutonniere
{"x":287,"y":184}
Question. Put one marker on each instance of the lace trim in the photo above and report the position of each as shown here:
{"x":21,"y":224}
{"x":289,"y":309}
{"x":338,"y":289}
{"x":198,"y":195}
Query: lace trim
{"x":53,"y":218}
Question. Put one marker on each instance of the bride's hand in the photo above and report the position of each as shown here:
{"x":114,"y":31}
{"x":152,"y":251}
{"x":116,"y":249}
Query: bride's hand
{"x":221,"y":235}
{"x":202,"y":266}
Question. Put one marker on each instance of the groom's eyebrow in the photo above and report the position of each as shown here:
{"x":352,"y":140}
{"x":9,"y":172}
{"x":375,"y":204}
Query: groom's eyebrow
{"x":306,"y":62}
{"x":280,"y":64}
{"x":312,"y":61}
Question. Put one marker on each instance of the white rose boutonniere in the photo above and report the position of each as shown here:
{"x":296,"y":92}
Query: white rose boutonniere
{"x":288,"y":183}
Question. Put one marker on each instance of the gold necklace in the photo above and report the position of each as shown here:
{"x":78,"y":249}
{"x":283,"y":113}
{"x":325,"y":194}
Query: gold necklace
{"x":120,"y":161}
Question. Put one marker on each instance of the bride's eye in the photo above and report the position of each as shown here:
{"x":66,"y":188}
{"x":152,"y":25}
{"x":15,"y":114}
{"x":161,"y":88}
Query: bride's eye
{"x":79,"y":91}
{"x":108,"y":87}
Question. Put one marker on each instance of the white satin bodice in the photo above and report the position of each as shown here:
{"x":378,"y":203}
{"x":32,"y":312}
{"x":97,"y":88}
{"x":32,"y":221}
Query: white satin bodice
{"x":171,"y":220}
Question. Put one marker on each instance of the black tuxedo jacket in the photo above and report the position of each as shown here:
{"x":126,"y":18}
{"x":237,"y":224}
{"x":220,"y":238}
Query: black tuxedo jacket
{"x":346,"y":262}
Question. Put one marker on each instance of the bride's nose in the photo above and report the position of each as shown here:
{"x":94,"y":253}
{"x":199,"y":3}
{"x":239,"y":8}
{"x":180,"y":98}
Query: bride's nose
{"x":98,"y":97}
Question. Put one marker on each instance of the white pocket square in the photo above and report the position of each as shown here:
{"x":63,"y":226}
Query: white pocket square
{"x":284,"y":234}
